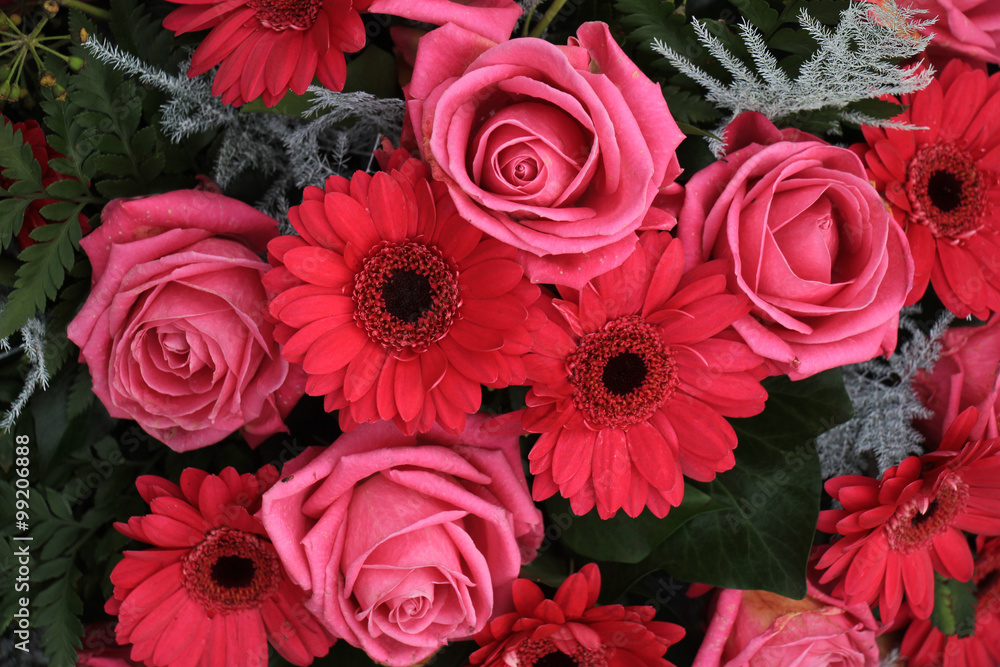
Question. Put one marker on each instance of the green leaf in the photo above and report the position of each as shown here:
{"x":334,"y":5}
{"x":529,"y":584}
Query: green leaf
{"x":762,"y":540}
{"x":58,"y":607}
{"x":41,"y":274}
{"x":66,"y":136}
{"x":17,"y":161}
{"x":11,"y":218}
{"x":111,"y":163}
{"x":954,"y":607}
{"x":795,"y":41}
{"x":290,"y":105}
{"x":81,"y":393}
{"x":827,"y":11}
{"x":877,"y":108}
{"x":622,"y":538}
{"x":67,"y":188}
{"x":759,"y":13}
{"x":374,"y":71}
{"x":119,"y":187}
{"x":59,"y":211}
{"x":60,"y":508}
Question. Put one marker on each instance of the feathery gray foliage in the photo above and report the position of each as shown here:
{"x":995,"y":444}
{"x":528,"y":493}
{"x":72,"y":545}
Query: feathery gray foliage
{"x":291,"y":152}
{"x":880,"y":434}
{"x":854,"y":62}
{"x":33,"y":347}
{"x":192,"y":107}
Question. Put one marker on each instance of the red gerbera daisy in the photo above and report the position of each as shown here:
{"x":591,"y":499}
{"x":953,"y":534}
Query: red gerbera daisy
{"x":214,"y":591}
{"x":266,"y":47}
{"x":630,"y":380}
{"x":397,"y":308}
{"x":901,"y":529}
{"x":925,"y":646}
{"x":570,"y":630}
{"x":943,"y":186}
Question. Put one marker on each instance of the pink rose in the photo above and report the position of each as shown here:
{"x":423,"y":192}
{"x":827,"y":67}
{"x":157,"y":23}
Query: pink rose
{"x":560,"y":151}
{"x":493,"y":19}
{"x":761,"y":629}
{"x":964,"y":376}
{"x":173,"y":330}
{"x":405,"y":543}
{"x":810,"y":243}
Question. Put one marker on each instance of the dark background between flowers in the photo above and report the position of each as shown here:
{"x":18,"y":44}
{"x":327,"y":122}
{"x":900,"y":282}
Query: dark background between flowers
{"x":751,"y":528}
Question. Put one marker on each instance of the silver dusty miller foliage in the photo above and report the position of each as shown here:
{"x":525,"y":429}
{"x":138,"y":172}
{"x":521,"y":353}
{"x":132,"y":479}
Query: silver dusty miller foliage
{"x":880,"y":434}
{"x":854,"y":62}
{"x":292,"y":152}
{"x":33,"y":347}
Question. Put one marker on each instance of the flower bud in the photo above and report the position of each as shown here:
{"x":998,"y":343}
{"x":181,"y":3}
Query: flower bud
{"x":48,"y":79}
{"x":5,"y":90}
{"x":76,"y":63}
{"x":51,"y":6}
{"x":83,"y":35}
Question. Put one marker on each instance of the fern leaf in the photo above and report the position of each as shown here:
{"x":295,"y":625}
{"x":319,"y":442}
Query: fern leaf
{"x":42,"y":273}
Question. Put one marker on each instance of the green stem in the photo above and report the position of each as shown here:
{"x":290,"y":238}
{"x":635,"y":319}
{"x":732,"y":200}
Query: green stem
{"x":527,"y":22}
{"x":547,"y":18}
{"x":96,"y":12}
{"x":52,"y":51}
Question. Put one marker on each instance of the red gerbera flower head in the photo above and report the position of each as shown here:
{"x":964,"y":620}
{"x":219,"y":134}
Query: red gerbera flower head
{"x":630,"y":380}
{"x":925,"y":646}
{"x":942,"y":184}
{"x":397,"y":308}
{"x":899,"y":530}
{"x":571,"y":630}
{"x":213,"y":591}
{"x":265,"y":47}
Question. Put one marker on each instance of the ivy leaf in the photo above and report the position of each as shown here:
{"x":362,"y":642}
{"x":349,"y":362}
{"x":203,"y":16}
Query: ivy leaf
{"x":763,"y":537}
{"x":954,"y":607}
{"x":621,"y":538}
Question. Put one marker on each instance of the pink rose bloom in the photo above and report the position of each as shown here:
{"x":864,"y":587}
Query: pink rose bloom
{"x":405,"y":543}
{"x":493,"y":19}
{"x":174,"y":330}
{"x":563,"y":152}
{"x":964,"y":376}
{"x":810,"y":243}
{"x":966,"y":29}
{"x":761,"y":629}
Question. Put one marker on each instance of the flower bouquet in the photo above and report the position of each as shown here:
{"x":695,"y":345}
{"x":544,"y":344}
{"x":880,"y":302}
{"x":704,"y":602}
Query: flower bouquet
{"x":507,"y":334}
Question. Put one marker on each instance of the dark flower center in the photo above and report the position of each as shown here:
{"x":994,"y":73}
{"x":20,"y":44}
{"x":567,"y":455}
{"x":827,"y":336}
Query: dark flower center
{"x":543,"y":653}
{"x":285,"y":14}
{"x":947,"y":192}
{"x":406,"y":295}
{"x":622,"y":373}
{"x":918,"y":521}
{"x":557,"y":659}
{"x":231,"y":570}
